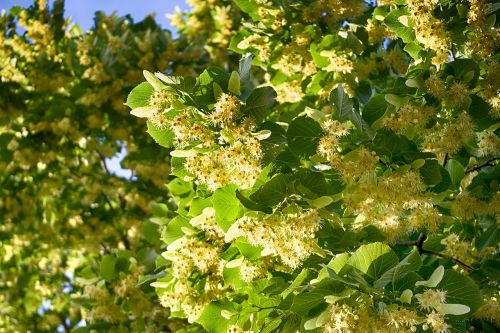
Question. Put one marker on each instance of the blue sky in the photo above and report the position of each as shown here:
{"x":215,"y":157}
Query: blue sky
{"x":82,"y":11}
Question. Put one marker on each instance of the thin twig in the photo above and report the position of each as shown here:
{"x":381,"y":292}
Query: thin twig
{"x":482,"y":165}
{"x":419,"y":244}
{"x":67,"y":329}
{"x":125,"y":241}
{"x":105,"y":249}
{"x":445,"y":159}
{"x":103,"y":162}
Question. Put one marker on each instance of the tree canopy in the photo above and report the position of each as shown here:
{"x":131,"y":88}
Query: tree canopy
{"x":313,"y":166}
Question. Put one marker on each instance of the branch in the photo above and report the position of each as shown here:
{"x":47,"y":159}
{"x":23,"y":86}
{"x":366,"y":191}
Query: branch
{"x":419,"y":244}
{"x":445,"y":159}
{"x":103,"y":162}
{"x":125,"y":241}
{"x":104,"y":248}
{"x":67,"y":329}
{"x":480,"y":166}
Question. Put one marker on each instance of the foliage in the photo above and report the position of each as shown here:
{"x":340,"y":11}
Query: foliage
{"x":343,"y":177}
{"x":298,"y":198}
{"x":71,"y":233}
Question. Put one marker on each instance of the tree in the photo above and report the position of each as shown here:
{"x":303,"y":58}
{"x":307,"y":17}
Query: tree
{"x":348,"y":181}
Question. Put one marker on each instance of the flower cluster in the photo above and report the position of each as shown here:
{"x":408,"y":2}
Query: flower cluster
{"x":448,"y":137}
{"x":288,"y":239}
{"x":457,"y":248}
{"x":466,"y":206}
{"x":397,"y":204}
{"x":409,"y":116}
{"x":197,"y":269}
{"x":233,"y":158}
{"x":430,"y":31}
{"x":330,"y":145}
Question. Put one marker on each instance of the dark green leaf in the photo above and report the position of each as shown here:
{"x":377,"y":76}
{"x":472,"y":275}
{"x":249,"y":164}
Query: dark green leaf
{"x":259,"y":103}
{"x":252,"y":205}
{"x":461,"y":289}
{"x":344,"y":110}
{"x":430,"y":172}
{"x":374,"y":109}
{"x":303,"y":136}
{"x":410,"y":263}
{"x":274,"y":191}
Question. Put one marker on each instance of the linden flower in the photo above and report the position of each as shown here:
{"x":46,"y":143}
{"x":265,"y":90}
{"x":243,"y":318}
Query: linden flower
{"x":234,"y":329}
{"x":403,"y":318}
{"x":206,"y":222}
{"x":341,"y":320}
{"x":160,"y":101}
{"x":436,"y":322}
{"x":337,"y":63}
{"x":431,"y":299}
{"x":290,"y":239}
{"x":329,"y":145}
{"x":226,"y":110}
{"x":490,"y":311}
{"x":489,"y":144}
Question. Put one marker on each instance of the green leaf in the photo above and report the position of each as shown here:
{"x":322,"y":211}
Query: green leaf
{"x":164,"y":136}
{"x":375,"y":108}
{"x":150,"y":278}
{"x":456,"y":171}
{"x":461,"y":289}
{"x":392,"y":22}
{"x":244,"y":66}
{"x":302,"y":278}
{"x":234,"y":83}
{"x":303,"y":136}
{"x":211,"y":318}
{"x":107,"y":268}
{"x":271,"y":325}
{"x":252,"y":205}
{"x":248,"y":250}
{"x":410,"y":263}
{"x":313,"y":181}
{"x":259,"y":103}
{"x":274,"y":191}
{"x":373,"y":260}
{"x":339,"y":262}
{"x":151,"y":232}
{"x":159,"y":209}
{"x":466,"y":70}
{"x":227,"y":206}
{"x":341,"y":103}
{"x":413,"y":49}
{"x":139,"y":96}
{"x":430,"y":172}
{"x":173,"y":230}
{"x":343,"y":108}
{"x":303,"y":303}
{"x":250,"y":7}
{"x":490,"y":237}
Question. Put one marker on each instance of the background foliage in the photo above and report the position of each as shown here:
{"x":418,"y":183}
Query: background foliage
{"x":349,"y":178}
